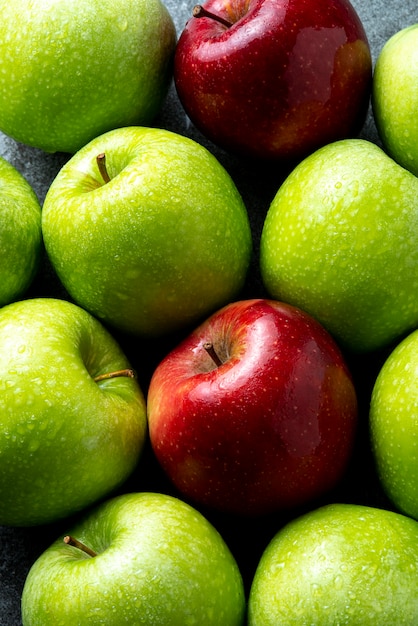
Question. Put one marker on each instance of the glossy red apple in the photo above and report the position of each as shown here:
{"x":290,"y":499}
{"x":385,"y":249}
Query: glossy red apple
{"x":268,"y":426}
{"x":274,"y":79}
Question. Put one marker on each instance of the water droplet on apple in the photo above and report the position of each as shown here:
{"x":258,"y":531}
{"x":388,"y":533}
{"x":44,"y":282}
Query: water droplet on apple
{"x":315,"y":589}
{"x":33,"y":445}
{"x":122,"y":23}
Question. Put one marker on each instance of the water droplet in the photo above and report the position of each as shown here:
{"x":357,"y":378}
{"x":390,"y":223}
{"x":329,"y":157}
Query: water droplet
{"x":122,"y":23}
{"x":33,"y":445}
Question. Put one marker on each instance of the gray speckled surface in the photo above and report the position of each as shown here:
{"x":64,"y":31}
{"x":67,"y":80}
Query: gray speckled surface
{"x":20,"y":547}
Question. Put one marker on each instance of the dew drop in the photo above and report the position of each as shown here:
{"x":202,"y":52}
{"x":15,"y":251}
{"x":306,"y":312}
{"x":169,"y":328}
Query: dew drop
{"x":33,"y":445}
{"x":122,"y":23}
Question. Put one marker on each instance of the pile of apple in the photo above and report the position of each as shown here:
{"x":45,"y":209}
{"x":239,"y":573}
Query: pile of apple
{"x":249,"y":413}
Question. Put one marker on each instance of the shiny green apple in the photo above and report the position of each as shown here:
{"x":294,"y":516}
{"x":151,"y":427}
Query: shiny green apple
{"x":72,"y":419}
{"x":153,"y":560}
{"x":70,"y":71}
{"x":395,"y":97}
{"x":339,"y":564}
{"x":20,"y":233}
{"x":394,"y":425}
{"x":340,"y":241}
{"x":150,"y":237}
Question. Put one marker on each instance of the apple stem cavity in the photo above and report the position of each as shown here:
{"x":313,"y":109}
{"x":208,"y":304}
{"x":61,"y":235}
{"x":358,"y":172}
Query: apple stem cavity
{"x":199,"y":11}
{"x":128,"y":373}
{"x":208,"y":346}
{"x":101,"y":164}
{"x":72,"y":541}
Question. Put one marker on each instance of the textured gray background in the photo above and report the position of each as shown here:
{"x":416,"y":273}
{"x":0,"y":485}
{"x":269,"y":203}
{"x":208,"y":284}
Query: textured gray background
{"x":381,"y":19}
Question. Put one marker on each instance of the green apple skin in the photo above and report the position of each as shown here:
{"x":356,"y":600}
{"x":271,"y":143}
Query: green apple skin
{"x":395,"y":97}
{"x":341,"y":564}
{"x":394,"y":425}
{"x":20,"y":233}
{"x":158,"y":561}
{"x":340,"y":241}
{"x":70,"y":71}
{"x":65,"y":439}
{"x":163,"y":243}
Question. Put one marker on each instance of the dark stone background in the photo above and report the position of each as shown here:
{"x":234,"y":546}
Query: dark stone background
{"x":20,"y":547}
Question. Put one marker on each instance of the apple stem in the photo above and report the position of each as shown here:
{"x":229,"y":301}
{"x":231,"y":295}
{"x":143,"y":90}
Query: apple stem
{"x":208,"y":346}
{"x":101,"y":164}
{"x":72,"y":541}
{"x":129,"y":373}
{"x":199,"y":11}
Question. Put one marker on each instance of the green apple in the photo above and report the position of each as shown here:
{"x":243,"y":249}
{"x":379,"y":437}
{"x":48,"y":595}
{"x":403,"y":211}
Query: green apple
{"x":340,"y":241}
{"x":149,"y":237}
{"x":139,"y":559}
{"x":20,"y":233}
{"x":72,"y":417}
{"x":70,"y":71}
{"x":395,"y":97}
{"x":394,"y":425}
{"x":339,"y":564}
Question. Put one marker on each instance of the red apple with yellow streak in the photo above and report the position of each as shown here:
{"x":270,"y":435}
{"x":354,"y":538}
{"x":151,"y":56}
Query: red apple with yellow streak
{"x":255,"y":411}
{"x":274,"y":79}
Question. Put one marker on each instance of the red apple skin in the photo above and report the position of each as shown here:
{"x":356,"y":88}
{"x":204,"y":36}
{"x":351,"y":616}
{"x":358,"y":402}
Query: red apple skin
{"x":269,"y":429}
{"x":286,"y":78}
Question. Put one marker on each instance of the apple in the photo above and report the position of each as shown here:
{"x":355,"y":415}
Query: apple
{"x":139,"y":558}
{"x":72,"y":416}
{"x":339,"y":564}
{"x":20,"y":233}
{"x":70,"y":71}
{"x":394,"y":425}
{"x":274,"y":79}
{"x":395,"y":97}
{"x":255,"y":411}
{"x":340,"y":241}
{"x":149,"y":237}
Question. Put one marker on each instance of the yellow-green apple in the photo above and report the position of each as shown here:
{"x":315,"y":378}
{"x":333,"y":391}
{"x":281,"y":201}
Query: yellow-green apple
{"x":339,"y":564}
{"x":340,"y":240}
{"x":395,"y":97}
{"x":394,"y":425}
{"x":20,"y":233}
{"x":138,"y":559}
{"x":72,"y":416}
{"x":274,"y":79}
{"x":70,"y":71}
{"x":147,"y":230}
{"x":255,"y":411}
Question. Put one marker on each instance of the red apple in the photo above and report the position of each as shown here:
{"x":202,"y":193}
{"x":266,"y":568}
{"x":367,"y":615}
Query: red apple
{"x":266,"y":422}
{"x":274,"y":79}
